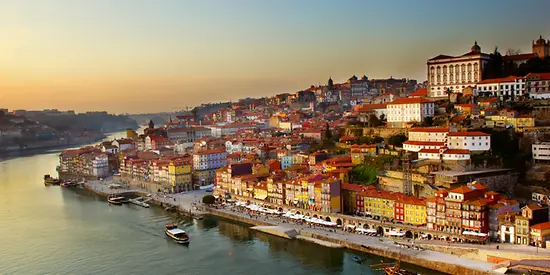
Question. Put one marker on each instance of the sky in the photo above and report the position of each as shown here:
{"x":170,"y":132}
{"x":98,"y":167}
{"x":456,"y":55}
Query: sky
{"x":139,"y":56}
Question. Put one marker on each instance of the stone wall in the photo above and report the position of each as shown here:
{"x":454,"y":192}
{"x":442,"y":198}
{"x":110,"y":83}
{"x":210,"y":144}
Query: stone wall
{"x":449,"y":268}
{"x":384,"y":132}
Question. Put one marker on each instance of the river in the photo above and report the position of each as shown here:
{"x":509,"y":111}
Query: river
{"x":53,"y":230}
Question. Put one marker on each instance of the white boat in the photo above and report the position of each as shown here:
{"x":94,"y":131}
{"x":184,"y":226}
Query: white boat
{"x":140,"y":202}
{"x":176,"y":234}
{"x":118,"y":200}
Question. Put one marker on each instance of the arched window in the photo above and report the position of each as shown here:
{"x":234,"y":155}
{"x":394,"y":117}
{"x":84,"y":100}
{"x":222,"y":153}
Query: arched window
{"x":469,"y":67}
{"x":444,"y":69}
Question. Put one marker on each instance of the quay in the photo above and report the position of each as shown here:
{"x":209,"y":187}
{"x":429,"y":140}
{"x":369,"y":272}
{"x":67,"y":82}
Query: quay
{"x":189,"y":203}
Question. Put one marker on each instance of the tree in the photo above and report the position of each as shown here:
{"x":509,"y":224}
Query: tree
{"x":494,"y":67}
{"x":511,"y":51}
{"x":378,"y":139}
{"x":365,"y":175}
{"x":194,"y":113}
{"x":208,"y":199}
{"x":397,"y":140}
{"x":374,"y":121}
{"x":328,"y":132}
{"x":428,"y":121}
{"x":450,"y":109}
{"x":382,"y":117}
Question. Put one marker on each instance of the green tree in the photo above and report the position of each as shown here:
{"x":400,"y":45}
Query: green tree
{"x":208,"y":199}
{"x":382,"y":117}
{"x":365,"y":175}
{"x":378,"y":139}
{"x":397,"y":140}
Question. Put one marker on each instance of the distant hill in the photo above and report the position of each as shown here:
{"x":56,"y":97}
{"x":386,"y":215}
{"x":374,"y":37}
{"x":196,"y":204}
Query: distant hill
{"x":91,"y":121}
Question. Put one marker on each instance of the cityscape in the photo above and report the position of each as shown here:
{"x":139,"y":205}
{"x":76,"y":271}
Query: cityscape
{"x":444,"y":174}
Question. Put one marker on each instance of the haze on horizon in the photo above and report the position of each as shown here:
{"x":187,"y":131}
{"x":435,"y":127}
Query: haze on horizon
{"x":150,"y":56}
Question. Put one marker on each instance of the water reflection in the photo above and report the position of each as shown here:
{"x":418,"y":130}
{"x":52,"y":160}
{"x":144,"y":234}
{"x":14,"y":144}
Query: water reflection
{"x":235,"y":231}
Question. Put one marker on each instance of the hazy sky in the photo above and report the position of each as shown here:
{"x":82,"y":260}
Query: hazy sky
{"x":160,"y":55}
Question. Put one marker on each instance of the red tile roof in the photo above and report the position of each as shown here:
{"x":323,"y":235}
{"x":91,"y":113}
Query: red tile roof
{"x":429,"y":130}
{"x":468,"y":134}
{"x":424,"y":143}
{"x":409,"y":100}
{"x":499,"y":80}
{"x":419,"y":93}
{"x":541,"y":226}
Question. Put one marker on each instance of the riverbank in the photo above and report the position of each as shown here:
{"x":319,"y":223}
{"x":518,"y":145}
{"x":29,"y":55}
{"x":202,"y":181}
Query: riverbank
{"x":190,"y":202}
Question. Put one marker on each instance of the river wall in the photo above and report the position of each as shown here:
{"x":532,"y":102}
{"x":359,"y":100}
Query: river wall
{"x":430,"y":264}
{"x":445,"y":267}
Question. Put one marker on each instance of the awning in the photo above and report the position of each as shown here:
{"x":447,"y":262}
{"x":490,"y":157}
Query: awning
{"x":260,"y":197}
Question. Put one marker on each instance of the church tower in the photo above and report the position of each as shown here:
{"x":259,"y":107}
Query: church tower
{"x":541,"y":47}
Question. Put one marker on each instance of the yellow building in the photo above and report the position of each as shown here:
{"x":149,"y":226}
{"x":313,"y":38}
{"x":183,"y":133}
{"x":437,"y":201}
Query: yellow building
{"x":540,"y":234}
{"x":379,"y":203}
{"x":359,"y":152}
{"x":260,"y":169}
{"x":415,"y":211}
{"x":179,"y":176}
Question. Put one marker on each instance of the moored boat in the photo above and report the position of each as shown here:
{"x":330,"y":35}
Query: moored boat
{"x":117,"y":200}
{"x":68,"y":184}
{"x":49,"y":180}
{"x":176,"y":234}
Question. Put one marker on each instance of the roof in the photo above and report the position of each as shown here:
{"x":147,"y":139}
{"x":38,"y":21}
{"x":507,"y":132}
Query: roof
{"x":410,"y":100}
{"x":441,"y":56}
{"x":176,"y":231}
{"x":465,"y":105}
{"x":419,"y":93}
{"x":499,"y":80}
{"x":429,"y":130}
{"x":424,"y":143}
{"x":517,"y":57}
{"x":468,"y":134}
{"x":541,"y":226}
{"x":370,"y":107}
{"x":543,"y":76}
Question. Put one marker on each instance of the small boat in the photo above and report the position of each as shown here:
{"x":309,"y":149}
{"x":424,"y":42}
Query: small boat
{"x":117,"y":200}
{"x":392,"y":269}
{"x":140,"y":201}
{"x":176,"y":234}
{"x":49,"y":180}
{"x":68,"y":184}
{"x":357,"y":259}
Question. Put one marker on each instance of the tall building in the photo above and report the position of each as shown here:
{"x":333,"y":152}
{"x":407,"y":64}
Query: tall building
{"x":454,"y":73}
{"x":541,"y":47}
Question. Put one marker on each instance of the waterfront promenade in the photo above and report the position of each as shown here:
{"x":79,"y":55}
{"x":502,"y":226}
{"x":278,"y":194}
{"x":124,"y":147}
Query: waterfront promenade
{"x":191,"y":201}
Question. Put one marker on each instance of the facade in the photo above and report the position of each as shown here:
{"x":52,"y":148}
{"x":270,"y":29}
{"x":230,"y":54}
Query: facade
{"x":407,"y":110}
{"x":540,"y":234}
{"x":541,"y":152}
{"x":179,"y":176}
{"x":508,"y":87}
{"x":188,"y":134}
{"x":209,"y":159}
{"x":455,"y":73}
{"x":538,"y":85}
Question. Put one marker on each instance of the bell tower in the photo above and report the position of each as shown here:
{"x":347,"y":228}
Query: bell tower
{"x":541,"y":47}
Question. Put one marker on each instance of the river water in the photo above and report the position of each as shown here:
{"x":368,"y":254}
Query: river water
{"x":53,"y":230}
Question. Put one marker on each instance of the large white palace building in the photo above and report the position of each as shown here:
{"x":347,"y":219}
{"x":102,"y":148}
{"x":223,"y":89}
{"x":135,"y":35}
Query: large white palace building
{"x":455,"y":73}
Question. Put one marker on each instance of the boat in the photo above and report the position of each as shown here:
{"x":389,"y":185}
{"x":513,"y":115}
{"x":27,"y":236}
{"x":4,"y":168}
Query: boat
{"x":393,"y":269}
{"x":176,"y":234}
{"x":117,"y":200}
{"x":49,"y":180}
{"x":140,"y":201}
{"x":357,"y":259}
{"x":68,"y":184}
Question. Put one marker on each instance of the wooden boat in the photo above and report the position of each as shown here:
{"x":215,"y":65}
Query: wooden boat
{"x":116,"y":200}
{"x":48,"y":180}
{"x":176,"y":234}
{"x":392,"y":269}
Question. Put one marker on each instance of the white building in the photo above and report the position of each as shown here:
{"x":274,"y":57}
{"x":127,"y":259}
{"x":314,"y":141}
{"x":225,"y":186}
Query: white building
{"x":407,"y":110}
{"x":511,"y":86}
{"x":541,"y":151}
{"x":445,"y":154}
{"x":100,"y":166}
{"x":210,"y":159}
{"x":123,"y":144}
{"x":455,"y":73}
{"x":428,"y":134}
{"x":538,"y":85}
{"x":188,"y":134}
{"x":473,"y":141}
{"x":230,"y":129}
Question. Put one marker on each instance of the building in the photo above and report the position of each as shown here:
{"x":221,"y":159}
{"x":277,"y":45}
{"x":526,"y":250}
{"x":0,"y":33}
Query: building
{"x":415,"y":211}
{"x":359,"y":152}
{"x":538,"y":85}
{"x":365,"y":110}
{"x":179,"y":176}
{"x":188,"y":134}
{"x":510,"y":119}
{"x":408,"y":110}
{"x":540,"y":234}
{"x":455,"y":73}
{"x":205,"y":164}
{"x":510,"y":87}
{"x":541,"y":48}
{"x":541,"y":152}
